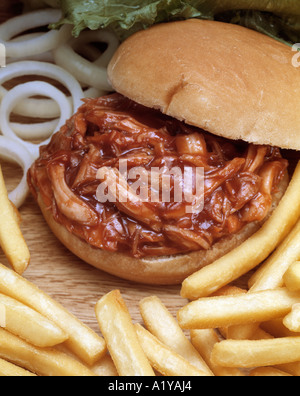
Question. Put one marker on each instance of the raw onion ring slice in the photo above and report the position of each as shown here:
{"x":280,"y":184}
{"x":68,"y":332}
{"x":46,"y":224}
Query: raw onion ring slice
{"x":30,"y":89}
{"x":37,"y":45}
{"x":11,"y":150}
{"x":34,"y":68}
{"x":93,"y":74}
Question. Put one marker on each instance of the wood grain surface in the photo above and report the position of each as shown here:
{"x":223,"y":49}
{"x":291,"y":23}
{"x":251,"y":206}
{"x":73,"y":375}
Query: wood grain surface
{"x":55,"y":270}
{"x":74,"y":284}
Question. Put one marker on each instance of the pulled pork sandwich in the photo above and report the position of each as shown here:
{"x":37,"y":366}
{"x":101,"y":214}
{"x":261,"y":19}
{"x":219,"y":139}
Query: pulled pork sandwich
{"x":190,"y":95}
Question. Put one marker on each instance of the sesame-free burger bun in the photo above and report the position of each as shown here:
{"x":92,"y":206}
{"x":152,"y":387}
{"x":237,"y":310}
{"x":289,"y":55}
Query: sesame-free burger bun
{"x":223,"y":78}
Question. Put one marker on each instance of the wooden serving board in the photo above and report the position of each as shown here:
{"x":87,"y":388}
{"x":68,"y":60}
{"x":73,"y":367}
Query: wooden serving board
{"x":55,"y":270}
{"x":74,"y":284}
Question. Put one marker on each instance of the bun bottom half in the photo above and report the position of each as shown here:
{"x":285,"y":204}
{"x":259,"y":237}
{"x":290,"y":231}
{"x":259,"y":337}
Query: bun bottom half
{"x":171,"y":270}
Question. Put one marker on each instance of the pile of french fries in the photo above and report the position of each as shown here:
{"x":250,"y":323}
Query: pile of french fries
{"x":260,"y":326}
{"x":32,"y":324}
{"x":222,"y":330}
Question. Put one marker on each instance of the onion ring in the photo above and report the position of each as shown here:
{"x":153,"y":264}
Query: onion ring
{"x":28,"y":68}
{"x":102,"y":36}
{"x":43,"y":57}
{"x":29,"y":89}
{"x":88,"y":51}
{"x":44,"y":129}
{"x":89,"y":73}
{"x":34,"y":131}
{"x":37,"y":45}
{"x":45,"y":108}
{"x":16,"y":152}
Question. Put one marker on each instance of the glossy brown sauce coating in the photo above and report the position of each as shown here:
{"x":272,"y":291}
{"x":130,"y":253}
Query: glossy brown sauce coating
{"x":239,"y":180}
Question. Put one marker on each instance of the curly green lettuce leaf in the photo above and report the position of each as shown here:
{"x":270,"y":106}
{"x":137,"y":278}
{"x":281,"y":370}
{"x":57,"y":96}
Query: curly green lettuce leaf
{"x":279,"y":19}
{"x":126,"y":17}
{"x":291,"y":7}
{"x":285,"y":29}
{"x":36,"y":4}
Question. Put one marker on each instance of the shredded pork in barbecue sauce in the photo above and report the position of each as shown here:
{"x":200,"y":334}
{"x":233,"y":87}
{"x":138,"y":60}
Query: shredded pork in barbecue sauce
{"x":239,"y":182}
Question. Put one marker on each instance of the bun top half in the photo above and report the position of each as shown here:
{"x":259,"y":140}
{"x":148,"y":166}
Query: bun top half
{"x":223,"y":78}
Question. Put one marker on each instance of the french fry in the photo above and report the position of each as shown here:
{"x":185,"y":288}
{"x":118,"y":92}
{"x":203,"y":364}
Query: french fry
{"x":292,"y":277}
{"x":163,"y":359}
{"x":239,"y":332}
{"x":252,"y":252}
{"x":8,"y":369}
{"x":118,"y":330}
{"x":105,"y":368}
{"x":292,"y":320}
{"x":268,"y":372}
{"x":290,"y":368}
{"x":258,"y":274}
{"x":259,"y":334}
{"x":30,"y":325}
{"x":41,"y":361}
{"x":164,"y":326}
{"x":230,"y":291}
{"x":272,"y":275}
{"x":277,"y":329}
{"x":82,"y":341}
{"x":255,"y":276}
{"x":216,"y":312}
{"x":249,"y":354}
{"x":204,"y":341}
{"x":11,"y":239}
{"x":243,"y":332}
{"x":17,"y":214}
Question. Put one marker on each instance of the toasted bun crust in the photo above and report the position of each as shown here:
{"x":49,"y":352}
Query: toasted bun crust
{"x":170,"y":270}
{"x":226,"y":79}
